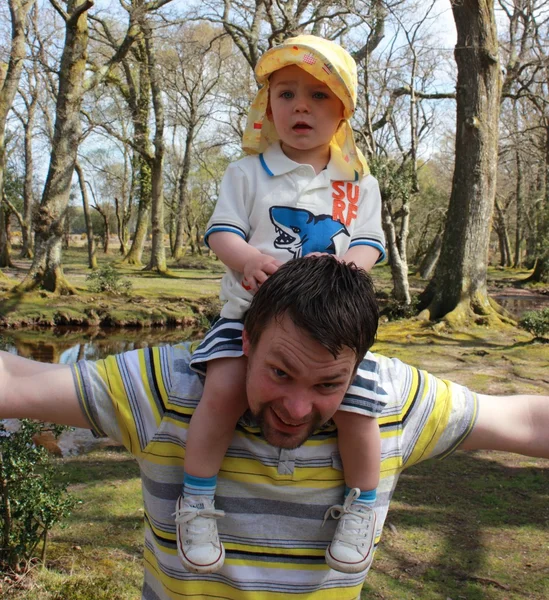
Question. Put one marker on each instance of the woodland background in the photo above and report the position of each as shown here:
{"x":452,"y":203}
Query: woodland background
{"x":121,"y":117}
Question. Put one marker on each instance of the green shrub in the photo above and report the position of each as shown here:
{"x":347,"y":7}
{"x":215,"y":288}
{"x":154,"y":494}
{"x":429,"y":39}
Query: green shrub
{"x":536,"y":322}
{"x":395,"y":310}
{"x":31,"y":501}
{"x":108,"y":279}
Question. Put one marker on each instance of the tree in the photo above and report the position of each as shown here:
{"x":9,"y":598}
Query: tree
{"x":458,"y":290}
{"x":46,"y":270}
{"x":92,"y":258}
{"x":9,"y":81}
{"x":193,"y":70}
{"x":30,"y":97}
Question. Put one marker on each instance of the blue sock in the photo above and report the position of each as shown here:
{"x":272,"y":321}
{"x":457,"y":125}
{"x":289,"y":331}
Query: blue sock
{"x":366,"y":496}
{"x":199,"y":486}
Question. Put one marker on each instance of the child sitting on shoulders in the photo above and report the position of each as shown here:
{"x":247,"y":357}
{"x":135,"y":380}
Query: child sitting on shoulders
{"x":303,"y":189}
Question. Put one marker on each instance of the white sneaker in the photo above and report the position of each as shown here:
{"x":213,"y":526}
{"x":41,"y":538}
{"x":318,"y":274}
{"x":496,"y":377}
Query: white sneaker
{"x":352,"y":547}
{"x":198,"y":544}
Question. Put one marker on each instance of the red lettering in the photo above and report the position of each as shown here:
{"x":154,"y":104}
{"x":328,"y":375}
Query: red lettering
{"x":352,"y":193}
{"x":338,"y":193}
{"x":338,"y":208}
{"x":351,"y":213}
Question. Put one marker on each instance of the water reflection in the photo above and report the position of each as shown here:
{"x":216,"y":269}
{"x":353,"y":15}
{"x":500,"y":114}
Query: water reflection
{"x":517,"y":305}
{"x":68,"y":345}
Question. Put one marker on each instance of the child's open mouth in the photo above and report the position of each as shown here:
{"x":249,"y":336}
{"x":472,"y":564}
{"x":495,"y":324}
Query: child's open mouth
{"x":301,"y":127}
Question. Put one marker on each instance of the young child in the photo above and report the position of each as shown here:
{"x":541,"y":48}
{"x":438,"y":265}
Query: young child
{"x":304,"y":188}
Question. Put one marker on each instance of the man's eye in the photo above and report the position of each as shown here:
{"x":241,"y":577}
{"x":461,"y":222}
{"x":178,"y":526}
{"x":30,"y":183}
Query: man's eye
{"x":329,"y":387}
{"x":279,"y":373}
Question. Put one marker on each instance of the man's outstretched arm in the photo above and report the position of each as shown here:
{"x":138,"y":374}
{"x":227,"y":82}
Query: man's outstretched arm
{"x":512,"y":424}
{"x":34,"y":390}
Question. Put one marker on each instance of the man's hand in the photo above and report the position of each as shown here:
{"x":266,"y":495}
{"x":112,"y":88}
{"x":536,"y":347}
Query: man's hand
{"x":257,"y":269}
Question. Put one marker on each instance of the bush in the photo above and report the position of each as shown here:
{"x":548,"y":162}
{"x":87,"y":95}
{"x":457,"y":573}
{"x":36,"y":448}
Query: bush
{"x":395,"y":310}
{"x":536,"y":322}
{"x":31,"y":501}
{"x":108,"y":279}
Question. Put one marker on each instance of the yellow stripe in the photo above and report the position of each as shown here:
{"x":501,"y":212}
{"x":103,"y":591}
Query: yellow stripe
{"x":179,"y":590}
{"x":438,"y":420}
{"x":108,"y":370}
{"x":157,"y":368}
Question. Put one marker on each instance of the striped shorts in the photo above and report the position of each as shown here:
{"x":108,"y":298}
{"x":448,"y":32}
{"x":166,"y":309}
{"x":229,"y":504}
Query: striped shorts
{"x":224,"y":340}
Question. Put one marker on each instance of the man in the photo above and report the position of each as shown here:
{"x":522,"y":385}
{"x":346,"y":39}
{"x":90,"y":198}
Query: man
{"x":304,"y":335}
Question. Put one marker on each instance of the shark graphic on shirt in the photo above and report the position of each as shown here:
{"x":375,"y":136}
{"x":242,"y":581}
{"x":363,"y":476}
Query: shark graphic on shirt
{"x":300,"y":231}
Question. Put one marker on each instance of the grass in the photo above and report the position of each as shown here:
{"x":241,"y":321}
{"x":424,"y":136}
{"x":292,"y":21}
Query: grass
{"x":179,"y":299}
{"x":474,"y":526}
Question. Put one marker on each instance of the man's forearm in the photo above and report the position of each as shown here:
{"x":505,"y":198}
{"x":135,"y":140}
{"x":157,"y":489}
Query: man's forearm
{"x":513,"y":424}
{"x":35,"y":390}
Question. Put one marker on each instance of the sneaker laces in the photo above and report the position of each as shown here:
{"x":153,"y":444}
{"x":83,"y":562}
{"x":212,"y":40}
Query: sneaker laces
{"x":199,"y":522}
{"x":356,"y":520}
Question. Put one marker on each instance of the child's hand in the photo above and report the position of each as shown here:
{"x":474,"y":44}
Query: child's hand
{"x":258,"y":269}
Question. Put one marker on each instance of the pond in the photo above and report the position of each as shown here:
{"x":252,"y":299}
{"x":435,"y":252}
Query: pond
{"x":518,"y":301}
{"x":66,"y":345}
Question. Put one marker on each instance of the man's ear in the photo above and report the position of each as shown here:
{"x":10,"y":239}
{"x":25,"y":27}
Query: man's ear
{"x":245,"y":342}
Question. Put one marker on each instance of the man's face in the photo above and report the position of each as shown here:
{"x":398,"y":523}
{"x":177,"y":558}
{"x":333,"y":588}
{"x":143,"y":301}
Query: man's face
{"x":294,"y":384}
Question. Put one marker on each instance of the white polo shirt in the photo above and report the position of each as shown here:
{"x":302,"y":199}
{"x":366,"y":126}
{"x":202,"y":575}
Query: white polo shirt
{"x":285,"y":210}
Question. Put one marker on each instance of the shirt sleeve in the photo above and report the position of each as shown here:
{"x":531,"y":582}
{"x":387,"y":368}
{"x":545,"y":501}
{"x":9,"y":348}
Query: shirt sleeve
{"x":126,"y":397}
{"x":427,"y":416}
{"x":368,"y":230}
{"x":232,"y":210}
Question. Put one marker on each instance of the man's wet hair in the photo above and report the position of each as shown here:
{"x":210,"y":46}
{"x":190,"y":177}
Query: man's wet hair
{"x":332,"y":301}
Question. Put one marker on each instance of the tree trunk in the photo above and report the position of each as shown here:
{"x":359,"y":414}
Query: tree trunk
{"x":399,"y":269}
{"x":183,"y":183}
{"x":5,"y":256}
{"x":430,"y":259}
{"x":92,"y":259}
{"x":46,"y":270}
{"x":458,"y":291}
{"x":503,"y":237}
{"x":106,"y":227}
{"x":519,"y":195}
{"x":140,"y":106}
{"x":121,"y":224}
{"x":9,"y":81}
{"x":28,"y":197}
{"x":158,"y":254}
{"x":541,"y":267}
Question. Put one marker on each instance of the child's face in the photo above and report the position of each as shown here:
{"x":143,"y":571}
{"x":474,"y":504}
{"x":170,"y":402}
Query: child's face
{"x":304,"y":111}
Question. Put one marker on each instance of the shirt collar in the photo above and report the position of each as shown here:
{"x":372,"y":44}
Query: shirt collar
{"x":275,"y":162}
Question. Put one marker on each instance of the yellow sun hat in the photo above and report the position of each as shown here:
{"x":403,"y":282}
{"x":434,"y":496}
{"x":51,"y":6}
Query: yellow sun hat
{"x":326,"y":61}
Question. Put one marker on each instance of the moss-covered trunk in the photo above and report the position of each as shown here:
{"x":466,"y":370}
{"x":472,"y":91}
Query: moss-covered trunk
{"x":158,"y":253}
{"x":138,"y":99}
{"x":458,"y":290}
{"x":46,"y":270}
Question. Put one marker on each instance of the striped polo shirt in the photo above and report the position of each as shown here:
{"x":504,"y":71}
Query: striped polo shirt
{"x":274,"y":499}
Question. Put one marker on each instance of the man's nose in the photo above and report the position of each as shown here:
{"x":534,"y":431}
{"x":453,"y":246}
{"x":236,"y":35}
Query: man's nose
{"x":298,"y":405}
